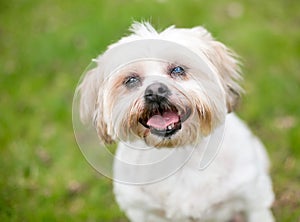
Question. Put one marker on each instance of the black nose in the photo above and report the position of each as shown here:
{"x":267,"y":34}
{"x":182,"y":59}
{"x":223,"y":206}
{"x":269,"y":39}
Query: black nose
{"x":156,"y":92}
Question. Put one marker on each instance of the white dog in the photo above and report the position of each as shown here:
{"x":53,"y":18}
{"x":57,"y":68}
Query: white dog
{"x":167,"y":98}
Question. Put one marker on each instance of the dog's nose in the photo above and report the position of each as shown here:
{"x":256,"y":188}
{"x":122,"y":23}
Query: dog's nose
{"x":156,"y":91}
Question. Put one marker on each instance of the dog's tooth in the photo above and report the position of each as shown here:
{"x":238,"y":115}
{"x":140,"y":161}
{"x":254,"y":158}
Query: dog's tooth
{"x":171,"y":126}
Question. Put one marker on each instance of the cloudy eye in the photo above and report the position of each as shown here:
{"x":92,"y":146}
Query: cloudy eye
{"x":177,"y":71}
{"x":132,"y":82}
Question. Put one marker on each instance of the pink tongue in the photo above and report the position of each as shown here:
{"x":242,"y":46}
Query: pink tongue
{"x":161,"y":122}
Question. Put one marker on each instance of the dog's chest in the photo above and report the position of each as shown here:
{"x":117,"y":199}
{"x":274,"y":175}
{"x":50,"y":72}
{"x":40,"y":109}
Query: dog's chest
{"x":189,"y":192}
{"x":181,"y":197}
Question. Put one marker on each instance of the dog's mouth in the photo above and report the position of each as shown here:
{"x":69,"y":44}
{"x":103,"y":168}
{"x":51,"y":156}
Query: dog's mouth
{"x":165,"y":123}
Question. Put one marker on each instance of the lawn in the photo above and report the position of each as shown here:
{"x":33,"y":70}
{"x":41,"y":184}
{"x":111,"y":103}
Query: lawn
{"x":46,"y":45}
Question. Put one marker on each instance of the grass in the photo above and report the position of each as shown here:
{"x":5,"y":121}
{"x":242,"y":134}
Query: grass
{"x":46,"y":45}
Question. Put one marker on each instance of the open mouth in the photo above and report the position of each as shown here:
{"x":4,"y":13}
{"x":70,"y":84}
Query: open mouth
{"x":164,"y":123}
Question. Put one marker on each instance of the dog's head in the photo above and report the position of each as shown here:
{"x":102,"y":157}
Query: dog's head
{"x":168,"y":89}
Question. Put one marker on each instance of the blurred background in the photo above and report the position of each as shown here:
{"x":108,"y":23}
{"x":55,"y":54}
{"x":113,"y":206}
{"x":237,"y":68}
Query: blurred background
{"x":46,"y":45}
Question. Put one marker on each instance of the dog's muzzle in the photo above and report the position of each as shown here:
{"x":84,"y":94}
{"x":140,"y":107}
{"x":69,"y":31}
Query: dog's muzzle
{"x":161,"y":116}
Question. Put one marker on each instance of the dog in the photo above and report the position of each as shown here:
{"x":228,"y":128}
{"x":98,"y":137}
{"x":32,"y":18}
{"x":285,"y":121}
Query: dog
{"x":168,"y":98}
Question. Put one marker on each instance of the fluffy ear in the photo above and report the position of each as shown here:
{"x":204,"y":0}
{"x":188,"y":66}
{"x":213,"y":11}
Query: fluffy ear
{"x":227,"y":65}
{"x":228,"y":68}
{"x":91,"y":103}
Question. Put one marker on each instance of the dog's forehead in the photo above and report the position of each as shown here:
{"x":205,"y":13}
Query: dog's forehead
{"x":143,"y":68}
{"x":152,"y":68}
{"x":147,"y":65}
{"x":121,"y":55}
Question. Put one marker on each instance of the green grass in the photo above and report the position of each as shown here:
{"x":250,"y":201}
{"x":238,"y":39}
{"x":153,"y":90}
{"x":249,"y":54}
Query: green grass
{"x":46,"y":45}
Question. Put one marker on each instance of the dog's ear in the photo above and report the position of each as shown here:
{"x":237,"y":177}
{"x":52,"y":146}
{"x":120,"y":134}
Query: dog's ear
{"x":228,"y":68}
{"x":91,"y":102}
{"x":227,"y":65}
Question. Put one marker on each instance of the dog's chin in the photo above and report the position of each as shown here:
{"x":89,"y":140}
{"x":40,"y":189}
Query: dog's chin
{"x":175,"y":140}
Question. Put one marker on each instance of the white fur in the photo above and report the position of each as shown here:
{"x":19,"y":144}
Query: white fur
{"x":236,"y":181}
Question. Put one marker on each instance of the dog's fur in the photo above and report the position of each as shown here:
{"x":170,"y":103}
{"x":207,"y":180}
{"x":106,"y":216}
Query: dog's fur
{"x":203,"y":95}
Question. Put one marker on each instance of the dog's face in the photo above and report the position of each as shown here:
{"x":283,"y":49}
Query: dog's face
{"x":167,"y":100}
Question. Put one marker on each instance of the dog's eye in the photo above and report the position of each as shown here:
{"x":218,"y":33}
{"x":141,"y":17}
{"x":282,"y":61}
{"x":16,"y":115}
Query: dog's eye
{"x":132,"y":82}
{"x":177,"y":71}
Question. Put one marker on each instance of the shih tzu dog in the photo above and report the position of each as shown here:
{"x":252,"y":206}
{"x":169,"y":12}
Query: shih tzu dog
{"x":167,"y":98}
